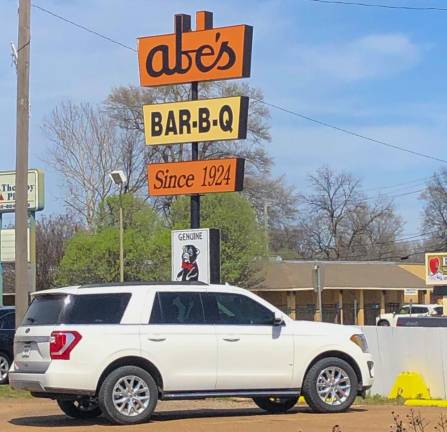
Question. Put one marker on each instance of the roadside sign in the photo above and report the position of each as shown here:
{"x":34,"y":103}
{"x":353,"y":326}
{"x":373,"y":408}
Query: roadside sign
{"x":8,"y":247}
{"x":202,"y":120}
{"x":205,"y":55}
{"x":436,"y":268}
{"x":195,"y":255}
{"x":196,"y":177}
{"x":36,"y":196}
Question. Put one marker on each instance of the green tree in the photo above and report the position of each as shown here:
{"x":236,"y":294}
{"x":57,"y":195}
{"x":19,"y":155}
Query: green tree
{"x":242,"y":239}
{"x":93,"y":256}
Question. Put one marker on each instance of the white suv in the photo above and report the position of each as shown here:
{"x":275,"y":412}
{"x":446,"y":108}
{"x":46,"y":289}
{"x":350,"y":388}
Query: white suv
{"x":412,"y":310}
{"x":117,"y":350}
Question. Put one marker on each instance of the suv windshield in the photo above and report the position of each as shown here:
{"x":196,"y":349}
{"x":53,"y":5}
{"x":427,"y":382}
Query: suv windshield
{"x":76,"y":309}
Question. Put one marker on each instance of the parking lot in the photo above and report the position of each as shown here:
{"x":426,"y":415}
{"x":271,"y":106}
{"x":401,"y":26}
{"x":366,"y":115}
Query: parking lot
{"x":210,"y":415}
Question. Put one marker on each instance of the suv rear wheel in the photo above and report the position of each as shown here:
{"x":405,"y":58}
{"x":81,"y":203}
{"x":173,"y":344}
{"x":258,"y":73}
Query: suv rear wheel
{"x":330,"y":385}
{"x":383,"y":323}
{"x":86,"y":408}
{"x":4,"y":368}
{"x":276,"y":405}
{"x":128,"y":395}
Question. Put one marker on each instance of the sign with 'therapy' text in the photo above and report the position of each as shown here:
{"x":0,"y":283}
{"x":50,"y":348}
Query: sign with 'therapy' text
{"x":36,"y":198}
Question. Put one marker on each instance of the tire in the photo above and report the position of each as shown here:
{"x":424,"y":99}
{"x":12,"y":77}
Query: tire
{"x":383,"y":323}
{"x":275,"y":405}
{"x":332,"y":399}
{"x":121,"y":410}
{"x":80,"y":409}
{"x":5,"y":364}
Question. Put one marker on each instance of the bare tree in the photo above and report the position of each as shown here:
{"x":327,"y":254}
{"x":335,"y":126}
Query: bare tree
{"x":338,"y":222}
{"x":435,"y":211}
{"x":86,"y":146}
{"x":52,"y":233}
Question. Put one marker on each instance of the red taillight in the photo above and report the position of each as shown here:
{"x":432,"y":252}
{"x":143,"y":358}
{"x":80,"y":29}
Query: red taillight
{"x":62,"y":344}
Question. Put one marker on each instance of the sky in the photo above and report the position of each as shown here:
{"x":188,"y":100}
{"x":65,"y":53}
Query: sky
{"x":378,"y":72}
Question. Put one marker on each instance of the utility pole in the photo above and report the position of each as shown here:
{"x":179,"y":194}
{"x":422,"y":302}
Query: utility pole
{"x":22,"y":136}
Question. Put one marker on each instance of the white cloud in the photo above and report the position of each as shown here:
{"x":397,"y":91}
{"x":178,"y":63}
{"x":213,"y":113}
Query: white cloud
{"x":371,"y":56}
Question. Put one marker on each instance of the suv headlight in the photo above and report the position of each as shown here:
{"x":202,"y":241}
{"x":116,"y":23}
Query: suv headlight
{"x":360,"y":340}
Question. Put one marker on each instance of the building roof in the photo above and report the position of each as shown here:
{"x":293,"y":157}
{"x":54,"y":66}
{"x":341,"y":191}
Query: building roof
{"x":298,"y":275}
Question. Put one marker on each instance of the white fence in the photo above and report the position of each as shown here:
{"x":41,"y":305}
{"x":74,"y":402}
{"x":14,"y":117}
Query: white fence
{"x":414,"y":349}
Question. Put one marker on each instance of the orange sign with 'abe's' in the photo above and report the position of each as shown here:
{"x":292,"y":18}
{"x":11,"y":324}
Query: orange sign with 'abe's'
{"x":187,"y":56}
{"x":196,"y":177}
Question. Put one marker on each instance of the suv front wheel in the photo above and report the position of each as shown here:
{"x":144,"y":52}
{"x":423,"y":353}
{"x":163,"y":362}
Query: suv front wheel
{"x":128,"y":395}
{"x":330,"y":385}
{"x":276,"y":405}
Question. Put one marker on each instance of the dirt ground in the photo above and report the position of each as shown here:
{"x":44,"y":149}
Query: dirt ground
{"x":210,"y":415}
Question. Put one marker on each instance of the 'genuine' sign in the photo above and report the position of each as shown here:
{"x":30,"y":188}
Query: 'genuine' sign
{"x":201,"y":120}
{"x":196,"y":177}
{"x":183,"y":57}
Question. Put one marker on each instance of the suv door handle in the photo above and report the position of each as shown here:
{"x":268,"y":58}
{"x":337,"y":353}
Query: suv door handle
{"x":156,"y":339}
{"x":231,"y":339}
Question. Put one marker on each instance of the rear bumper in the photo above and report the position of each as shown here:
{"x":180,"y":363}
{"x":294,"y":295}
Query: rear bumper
{"x":65,"y":382}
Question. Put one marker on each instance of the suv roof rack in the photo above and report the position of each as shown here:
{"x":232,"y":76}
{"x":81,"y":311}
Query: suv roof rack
{"x":120,"y":284}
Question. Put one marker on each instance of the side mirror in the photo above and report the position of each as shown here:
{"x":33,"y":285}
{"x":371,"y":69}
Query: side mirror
{"x":278,"y":319}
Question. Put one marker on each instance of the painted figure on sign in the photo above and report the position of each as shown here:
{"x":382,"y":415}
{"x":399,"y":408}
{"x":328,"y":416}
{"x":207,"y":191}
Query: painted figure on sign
{"x":190,"y":269}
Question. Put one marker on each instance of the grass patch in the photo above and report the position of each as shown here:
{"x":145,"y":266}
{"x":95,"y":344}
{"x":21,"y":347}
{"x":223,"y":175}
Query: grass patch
{"x":378,"y":400}
{"x":7,"y":392}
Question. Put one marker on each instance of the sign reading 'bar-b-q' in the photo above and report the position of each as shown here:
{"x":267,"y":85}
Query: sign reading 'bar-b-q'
{"x":201,"y":120}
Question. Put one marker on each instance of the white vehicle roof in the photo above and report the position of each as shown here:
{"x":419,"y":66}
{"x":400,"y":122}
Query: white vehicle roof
{"x":105,"y":288}
{"x":419,"y":304}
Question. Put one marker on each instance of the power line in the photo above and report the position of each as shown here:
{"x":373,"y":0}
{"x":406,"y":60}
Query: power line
{"x":416,"y":182}
{"x":107,"y":38}
{"x":349,"y":132}
{"x":380,"y":5}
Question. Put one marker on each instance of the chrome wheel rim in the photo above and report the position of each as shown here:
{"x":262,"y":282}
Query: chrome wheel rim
{"x":130,"y":395}
{"x":4,"y":367}
{"x":333,"y":386}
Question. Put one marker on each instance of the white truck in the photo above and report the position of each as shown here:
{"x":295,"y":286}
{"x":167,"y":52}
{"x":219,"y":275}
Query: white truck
{"x":117,"y":350}
{"x":409,"y":310}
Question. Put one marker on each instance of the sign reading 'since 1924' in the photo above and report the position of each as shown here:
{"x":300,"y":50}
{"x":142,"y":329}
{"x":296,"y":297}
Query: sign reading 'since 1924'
{"x":196,"y":177}
{"x":184,"y":57}
{"x":201,"y":120}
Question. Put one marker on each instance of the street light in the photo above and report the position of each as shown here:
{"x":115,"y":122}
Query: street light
{"x":119,"y":178}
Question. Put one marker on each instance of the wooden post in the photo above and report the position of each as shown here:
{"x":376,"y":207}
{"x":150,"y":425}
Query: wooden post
{"x":318,"y":315}
{"x":340,"y":305}
{"x":382,"y":302}
{"x":361,"y":308}
{"x":291,"y":305}
{"x":427,"y":296}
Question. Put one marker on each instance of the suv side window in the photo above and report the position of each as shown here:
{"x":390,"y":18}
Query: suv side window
{"x":7,"y":322}
{"x":237,"y":309}
{"x":419,"y":310}
{"x":177,"y":308}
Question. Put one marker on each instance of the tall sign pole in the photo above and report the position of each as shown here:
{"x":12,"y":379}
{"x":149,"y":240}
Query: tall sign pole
{"x":204,"y":21}
{"x":188,"y":57}
{"x":22,"y":135}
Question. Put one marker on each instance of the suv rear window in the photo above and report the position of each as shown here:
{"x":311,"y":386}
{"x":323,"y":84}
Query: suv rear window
{"x":76,"y":309}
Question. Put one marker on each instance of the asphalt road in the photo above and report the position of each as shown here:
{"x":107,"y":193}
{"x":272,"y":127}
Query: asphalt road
{"x":210,"y":415}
